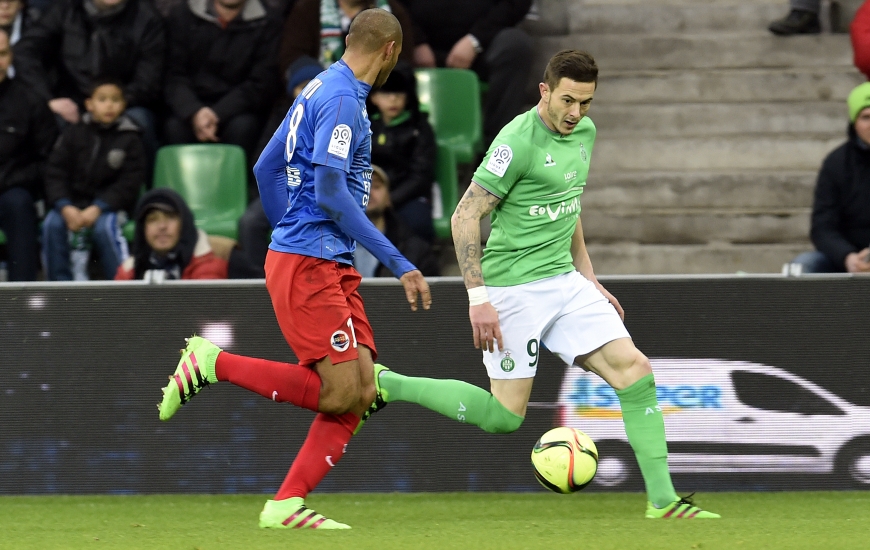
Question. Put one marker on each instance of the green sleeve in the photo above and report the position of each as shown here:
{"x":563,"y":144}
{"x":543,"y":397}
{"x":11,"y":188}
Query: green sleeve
{"x":503,"y":166}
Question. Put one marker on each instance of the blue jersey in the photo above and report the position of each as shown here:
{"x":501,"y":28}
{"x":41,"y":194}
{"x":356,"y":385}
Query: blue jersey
{"x":327,"y":125}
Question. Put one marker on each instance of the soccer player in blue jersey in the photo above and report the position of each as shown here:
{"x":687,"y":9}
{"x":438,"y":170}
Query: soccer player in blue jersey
{"x":314,"y":178}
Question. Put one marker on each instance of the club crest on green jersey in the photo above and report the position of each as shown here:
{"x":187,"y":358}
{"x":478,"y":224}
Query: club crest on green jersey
{"x":583,"y":154}
{"x":500,"y":160}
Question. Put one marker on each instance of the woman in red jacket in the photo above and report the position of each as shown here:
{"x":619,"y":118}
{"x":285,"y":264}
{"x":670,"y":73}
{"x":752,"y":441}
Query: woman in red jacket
{"x":167,"y":244}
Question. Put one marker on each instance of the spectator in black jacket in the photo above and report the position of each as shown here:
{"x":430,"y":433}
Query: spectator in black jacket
{"x":28,"y":133}
{"x":13,"y":19}
{"x":841,"y":207}
{"x":76,"y":41}
{"x":95,"y":171}
{"x":403,"y":144}
{"x":223,"y":72}
{"x":482,"y":36}
{"x":380,"y":212}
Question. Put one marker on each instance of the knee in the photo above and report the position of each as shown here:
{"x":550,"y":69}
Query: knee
{"x":54,"y":223}
{"x":16,"y":200}
{"x":338,"y":399}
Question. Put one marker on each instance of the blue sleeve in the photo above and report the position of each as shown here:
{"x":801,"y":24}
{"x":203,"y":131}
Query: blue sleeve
{"x":334,"y":132}
{"x":334,"y":198}
{"x":272,"y":180}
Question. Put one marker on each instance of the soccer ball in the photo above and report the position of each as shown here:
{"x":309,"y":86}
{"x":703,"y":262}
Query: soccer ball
{"x":565,"y":460}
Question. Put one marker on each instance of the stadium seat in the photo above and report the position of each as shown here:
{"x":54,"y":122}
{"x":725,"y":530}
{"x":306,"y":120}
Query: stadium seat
{"x":2,"y":238}
{"x":452,"y":99}
{"x":212,"y":178}
{"x":447,"y":190}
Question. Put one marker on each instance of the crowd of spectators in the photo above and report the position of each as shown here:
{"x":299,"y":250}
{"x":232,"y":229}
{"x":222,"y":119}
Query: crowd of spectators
{"x":199,"y":71}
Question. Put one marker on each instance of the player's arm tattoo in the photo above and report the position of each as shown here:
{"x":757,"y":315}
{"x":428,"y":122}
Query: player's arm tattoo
{"x":476,"y":203}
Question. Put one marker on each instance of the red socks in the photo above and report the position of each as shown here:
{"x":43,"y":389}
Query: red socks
{"x":281,"y":382}
{"x":286,"y":382}
{"x":323,"y":448}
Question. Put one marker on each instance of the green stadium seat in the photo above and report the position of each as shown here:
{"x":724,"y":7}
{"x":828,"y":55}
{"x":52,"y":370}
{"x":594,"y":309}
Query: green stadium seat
{"x":2,"y":238}
{"x":448,"y":187}
{"x":452,"y":99}
{"x":213,"y":180}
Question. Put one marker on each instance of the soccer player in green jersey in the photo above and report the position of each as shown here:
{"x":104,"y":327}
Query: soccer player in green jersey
{"x":534,"y":283}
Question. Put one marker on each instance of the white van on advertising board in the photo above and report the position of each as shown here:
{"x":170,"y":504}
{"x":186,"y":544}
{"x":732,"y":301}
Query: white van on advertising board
{"x":726,"y":417}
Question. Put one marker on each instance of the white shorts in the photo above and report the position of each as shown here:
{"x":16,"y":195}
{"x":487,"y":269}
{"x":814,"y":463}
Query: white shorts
{"x":565,"y":312}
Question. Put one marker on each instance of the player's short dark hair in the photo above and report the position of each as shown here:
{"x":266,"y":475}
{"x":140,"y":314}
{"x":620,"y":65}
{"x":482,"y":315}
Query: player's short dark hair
{"x":104,"y":81}
{"x":576,"y":65}
{"x":371,"y":29}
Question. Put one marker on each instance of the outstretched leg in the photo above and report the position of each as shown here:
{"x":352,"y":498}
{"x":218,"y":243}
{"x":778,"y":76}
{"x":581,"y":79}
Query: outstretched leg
{"x":461,"y":401}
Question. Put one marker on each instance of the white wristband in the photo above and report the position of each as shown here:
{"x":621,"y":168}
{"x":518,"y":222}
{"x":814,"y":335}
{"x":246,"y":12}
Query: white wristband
{"x":477,"y":296}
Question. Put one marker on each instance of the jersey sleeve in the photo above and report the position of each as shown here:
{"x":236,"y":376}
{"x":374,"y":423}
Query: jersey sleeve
{"x":503,"y":166}
{"x":334,"y":129}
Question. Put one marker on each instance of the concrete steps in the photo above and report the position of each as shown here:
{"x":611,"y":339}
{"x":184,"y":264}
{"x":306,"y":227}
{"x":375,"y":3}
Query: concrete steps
{"x":677,"y":87}
{"x":720,"y":119}
{"x":653,"y":17}
{"x":725,"y":50}
{"x":634,"y":259}
{"x":760,"y":152}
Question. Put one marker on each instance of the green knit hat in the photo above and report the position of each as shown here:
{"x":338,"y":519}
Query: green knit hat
{"x":859,"y":99}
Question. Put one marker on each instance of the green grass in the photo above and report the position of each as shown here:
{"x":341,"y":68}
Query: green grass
{"x":439,"y":521}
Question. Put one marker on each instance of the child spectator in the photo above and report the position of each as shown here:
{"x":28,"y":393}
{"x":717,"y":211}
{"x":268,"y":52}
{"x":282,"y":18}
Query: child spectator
{"x":403,"y":144}
{"x":95,"y":172}
{"x":380,"y":212}
{"x":167,"y":244}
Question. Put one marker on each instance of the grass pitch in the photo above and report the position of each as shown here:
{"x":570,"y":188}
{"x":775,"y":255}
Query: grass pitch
{"x":440,"y":521}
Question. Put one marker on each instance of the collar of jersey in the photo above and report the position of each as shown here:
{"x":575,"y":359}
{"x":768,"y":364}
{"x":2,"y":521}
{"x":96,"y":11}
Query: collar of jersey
{"x":544,"y":124}
{"x":342,"y":67}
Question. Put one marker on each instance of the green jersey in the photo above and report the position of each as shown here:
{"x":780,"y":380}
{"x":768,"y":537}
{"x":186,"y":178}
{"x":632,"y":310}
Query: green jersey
{"x":539,"y":176}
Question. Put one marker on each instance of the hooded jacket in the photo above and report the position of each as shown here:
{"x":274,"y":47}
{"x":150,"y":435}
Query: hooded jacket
{"x":230,"y":69}
{"x":96,"y":164}
{"x":193,"y":252}
{"x":61,"y":54}
{"x":405,"y":148}
{"x":841,"y":205}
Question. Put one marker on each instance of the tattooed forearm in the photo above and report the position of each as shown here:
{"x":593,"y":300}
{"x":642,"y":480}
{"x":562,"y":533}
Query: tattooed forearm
{"x":465,"y":223}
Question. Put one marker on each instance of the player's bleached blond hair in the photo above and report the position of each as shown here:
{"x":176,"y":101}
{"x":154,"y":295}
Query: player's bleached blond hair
{"x":576,"y":65}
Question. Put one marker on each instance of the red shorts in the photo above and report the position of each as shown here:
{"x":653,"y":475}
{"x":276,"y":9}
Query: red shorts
{"x":318,"y":307}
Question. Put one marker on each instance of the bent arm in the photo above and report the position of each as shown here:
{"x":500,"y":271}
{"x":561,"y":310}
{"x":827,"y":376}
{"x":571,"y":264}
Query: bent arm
{"x":476,"y":203}
{"x":334,"y":198}
{"x":582,"y":263}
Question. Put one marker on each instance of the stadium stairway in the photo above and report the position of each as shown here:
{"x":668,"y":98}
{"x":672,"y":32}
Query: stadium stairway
{"x":710,"y":130}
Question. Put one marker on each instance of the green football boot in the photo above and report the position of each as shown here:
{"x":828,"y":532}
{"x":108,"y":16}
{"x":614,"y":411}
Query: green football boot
{"x":380,"y":398}
{"x":679,"y":509}
{"x":292,"y":514}
{"x":195,"y":371}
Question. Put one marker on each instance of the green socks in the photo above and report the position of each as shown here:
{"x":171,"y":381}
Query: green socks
{"x":454,"y":399}
{"x":645,"y":429}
